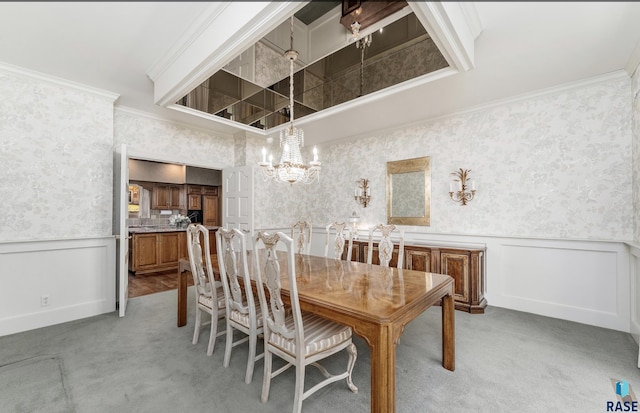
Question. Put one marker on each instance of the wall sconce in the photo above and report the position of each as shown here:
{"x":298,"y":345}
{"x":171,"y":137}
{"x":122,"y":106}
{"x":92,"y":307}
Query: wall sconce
{"x":354,"y":219}
{"x":363,"y":193}
{"x":458,"y":188}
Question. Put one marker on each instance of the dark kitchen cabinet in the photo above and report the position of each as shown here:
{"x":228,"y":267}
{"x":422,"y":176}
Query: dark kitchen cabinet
{"x":167,"y":197}
{"x":209,"y":210}
{"x":195,"y":202}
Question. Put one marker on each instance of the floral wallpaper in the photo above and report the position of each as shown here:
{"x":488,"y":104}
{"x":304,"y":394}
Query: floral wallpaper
{"x":56,"y":160}
{"x":169,"y":140}
{"x":636,"y":152}
{"x":553,"y":166}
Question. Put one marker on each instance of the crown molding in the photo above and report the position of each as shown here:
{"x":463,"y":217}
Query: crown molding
{"x":634,"y":61}
{"x":550,"y":91}
{"x":187,"y":38}
{"x":32,"y":74}
{"x":617,"y":75}
{"x":155,"y":117}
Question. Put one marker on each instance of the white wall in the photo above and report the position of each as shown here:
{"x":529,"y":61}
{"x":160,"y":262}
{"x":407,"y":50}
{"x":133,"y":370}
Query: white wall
{"x":635,"y":262}
{"x":554,"y":204}
{"x":553,"y":173}
{"x":55,"y":156}
{"x":556,"y":165}
{"x":635,"y":93}
{"x":56,"y":173}
{"x":151,"y":138}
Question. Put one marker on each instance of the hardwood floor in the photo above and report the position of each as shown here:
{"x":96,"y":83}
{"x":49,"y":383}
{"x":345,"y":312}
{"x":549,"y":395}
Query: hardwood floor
{"x":153,"y":283}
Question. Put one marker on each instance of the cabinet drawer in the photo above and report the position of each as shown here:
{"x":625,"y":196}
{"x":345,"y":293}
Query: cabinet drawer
{"x":210,"y":190}
{"x":195,"y":189}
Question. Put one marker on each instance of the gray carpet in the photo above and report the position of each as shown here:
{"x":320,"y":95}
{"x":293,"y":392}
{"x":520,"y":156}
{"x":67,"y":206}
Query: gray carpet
{"x":506,"y":361}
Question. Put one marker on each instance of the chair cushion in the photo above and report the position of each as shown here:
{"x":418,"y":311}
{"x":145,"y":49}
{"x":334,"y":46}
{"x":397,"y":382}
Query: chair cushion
{"x":207,"y":301}
{"x":319,"y":335}
{"x":243,"y":319}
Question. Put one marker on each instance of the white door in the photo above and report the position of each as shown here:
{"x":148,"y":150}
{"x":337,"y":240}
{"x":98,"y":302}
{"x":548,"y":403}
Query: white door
{"x":237,"y":198}
{"x":120,"y":214}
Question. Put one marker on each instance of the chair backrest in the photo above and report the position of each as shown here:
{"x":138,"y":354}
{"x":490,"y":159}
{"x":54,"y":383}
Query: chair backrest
{"x":202,"y":271}
{"x":267,"y":275}
{"x":343,"y":235}
{"x":301,"y":234}
{"x":234,"y":271}
{"x":386,"y":245}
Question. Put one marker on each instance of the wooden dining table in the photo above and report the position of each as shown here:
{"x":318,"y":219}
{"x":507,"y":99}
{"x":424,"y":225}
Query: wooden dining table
{"x":376,"y":302}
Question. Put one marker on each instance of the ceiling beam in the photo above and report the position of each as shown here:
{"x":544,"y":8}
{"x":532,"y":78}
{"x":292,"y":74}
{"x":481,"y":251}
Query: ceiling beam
{"x":221,"y":34}
{"x":453,"y":27}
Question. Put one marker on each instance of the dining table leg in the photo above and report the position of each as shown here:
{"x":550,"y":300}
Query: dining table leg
{"x":383,"y":370}
{"x":448,"y":333}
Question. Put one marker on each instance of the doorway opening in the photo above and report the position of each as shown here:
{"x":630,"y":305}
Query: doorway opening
{"x":156,"y":245}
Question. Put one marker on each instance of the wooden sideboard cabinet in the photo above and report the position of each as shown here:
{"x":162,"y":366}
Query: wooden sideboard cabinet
{"x":465,"y":266}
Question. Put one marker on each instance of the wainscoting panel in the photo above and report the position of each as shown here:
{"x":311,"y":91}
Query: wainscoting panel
{"x":76,"y":277}
{"x":634,"y":250}
{"x":577,"y":280}
{"x":579,"y":283}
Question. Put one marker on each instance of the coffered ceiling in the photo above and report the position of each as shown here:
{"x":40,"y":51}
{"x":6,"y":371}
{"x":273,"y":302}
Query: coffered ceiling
{"x":522,"y":47}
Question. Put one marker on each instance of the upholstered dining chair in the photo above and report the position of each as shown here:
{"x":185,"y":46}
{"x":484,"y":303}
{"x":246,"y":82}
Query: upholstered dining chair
{"x":301,"y":234}
{"x":342,"y":236}
{"x":241,"y":310}
{"x":298,"y":338}
{"x":209,"y":294}
{"x":385,"y":244}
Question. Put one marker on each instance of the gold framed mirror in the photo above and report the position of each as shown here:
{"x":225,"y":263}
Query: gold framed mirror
{"x":409,"y":191}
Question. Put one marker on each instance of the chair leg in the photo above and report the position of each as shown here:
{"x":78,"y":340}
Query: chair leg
{"x":228,"y":346}
{"x":212,"y":334}
{"x":253,"y":339}
{"x":353,"y":354}
{"x":299,"y":391}
{"x":266,"y":379}
{"x":196,"y":332}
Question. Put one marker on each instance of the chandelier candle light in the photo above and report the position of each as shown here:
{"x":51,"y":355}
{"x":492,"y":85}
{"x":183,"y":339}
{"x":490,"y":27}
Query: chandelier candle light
{"x":291,"y":169}
{"x":458,"y":188}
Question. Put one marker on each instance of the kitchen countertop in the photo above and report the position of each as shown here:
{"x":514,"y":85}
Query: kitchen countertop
{"x":150,"y":229}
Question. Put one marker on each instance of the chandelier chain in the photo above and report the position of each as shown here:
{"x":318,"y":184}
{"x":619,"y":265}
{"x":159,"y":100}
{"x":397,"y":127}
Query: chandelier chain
{"x":291,"y":168}
{"x":291,"y":75}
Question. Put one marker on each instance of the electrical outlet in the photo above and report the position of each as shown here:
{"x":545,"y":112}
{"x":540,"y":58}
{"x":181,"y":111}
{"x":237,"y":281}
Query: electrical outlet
{"x":44,"y":300}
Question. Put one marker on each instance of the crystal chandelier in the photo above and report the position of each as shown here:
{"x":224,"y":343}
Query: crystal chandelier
{"x":291,"y":168}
